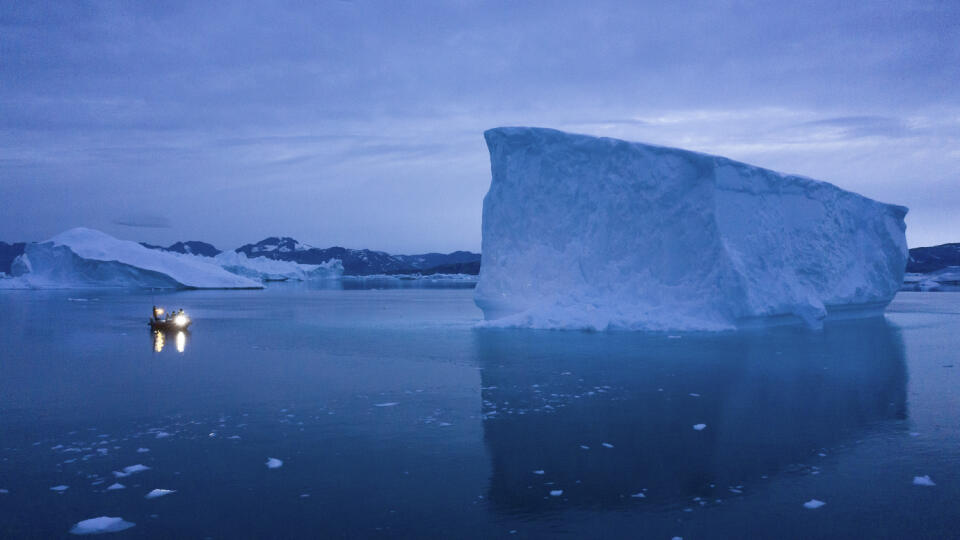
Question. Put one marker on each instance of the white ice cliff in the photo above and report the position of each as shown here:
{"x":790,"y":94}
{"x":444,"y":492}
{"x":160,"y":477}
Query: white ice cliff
{"x":597,"y":233}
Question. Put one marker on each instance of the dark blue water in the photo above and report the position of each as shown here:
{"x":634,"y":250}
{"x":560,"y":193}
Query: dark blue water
{"x":394,"y":417}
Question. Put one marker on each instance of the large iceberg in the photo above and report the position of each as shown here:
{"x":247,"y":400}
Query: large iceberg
{"x":597,"y":233}
{"x":87,"y":258}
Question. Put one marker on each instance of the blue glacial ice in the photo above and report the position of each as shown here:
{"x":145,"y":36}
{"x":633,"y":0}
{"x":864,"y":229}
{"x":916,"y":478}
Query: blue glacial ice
{"x":582,"y":232}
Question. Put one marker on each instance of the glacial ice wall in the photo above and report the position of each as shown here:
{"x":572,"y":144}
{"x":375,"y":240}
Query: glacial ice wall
{"x":596,"y":233}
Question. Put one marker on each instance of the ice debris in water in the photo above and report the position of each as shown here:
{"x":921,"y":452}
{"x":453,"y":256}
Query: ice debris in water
{"x":60,"y":488}
{"x":594,"y":233}
{"x":142,"y":450}
{"x":813,"y":504}
{"x":102,"y":524}
{"x":556,"y":492}
{"x":923,"y":481}
{"x":699,"y":427}
{"x":388,"y":404}
{"x":4,"y":491}
{"x":538,"y":471}
{"x":607,"y":445}
{"x":159,"y":493}
{"x":639,"y":495}
{"x":115,"y":486}
{"x":162,"y":435}
{"x":132,"y":469}
{"x":274,"y":463}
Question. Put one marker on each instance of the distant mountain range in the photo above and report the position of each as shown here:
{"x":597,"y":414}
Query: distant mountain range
{"x":190,"y":247}
{"x":924,"y":260}
{"x":362,"y":262}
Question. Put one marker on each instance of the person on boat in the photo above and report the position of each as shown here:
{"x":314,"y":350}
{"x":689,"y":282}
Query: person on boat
{"x":156,"y":313}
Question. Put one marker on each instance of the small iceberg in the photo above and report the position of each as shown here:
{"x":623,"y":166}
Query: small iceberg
{"x":699,"y":427}
{"x":274,"y":463}
{"x":115,"y":486}
{"x":159,"y":493}
{"x":923,"y":481}
{"x":60,"y":488}
{"x":102,"y":524}
{"x":556,"y":493}
{"x":813,"y":504}
{"x":538,"y":471}
{"x":388,"y":404}
{"x":607,"y":445}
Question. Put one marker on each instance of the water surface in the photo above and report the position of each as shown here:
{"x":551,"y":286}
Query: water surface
{"x":394,"y":417}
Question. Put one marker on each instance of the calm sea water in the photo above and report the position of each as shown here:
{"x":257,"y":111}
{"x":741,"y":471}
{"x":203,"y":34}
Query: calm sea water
{"x":394,"y":417}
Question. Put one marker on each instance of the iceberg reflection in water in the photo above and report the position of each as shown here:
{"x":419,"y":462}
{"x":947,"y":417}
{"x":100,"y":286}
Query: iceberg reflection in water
{"x":607,"y":416}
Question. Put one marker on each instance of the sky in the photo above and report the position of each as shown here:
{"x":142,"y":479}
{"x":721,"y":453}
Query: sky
{"x":360,"y":123}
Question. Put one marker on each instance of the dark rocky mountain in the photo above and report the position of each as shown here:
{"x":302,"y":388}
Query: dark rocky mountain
{"x":359,"y":262}
{"x":191,"y":247}
{"x":9,"y":252}
{"x":924,"y":260}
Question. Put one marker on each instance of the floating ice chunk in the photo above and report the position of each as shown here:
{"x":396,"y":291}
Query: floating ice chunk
{"x":538,"y":471}
{"x":304,"y":495}
{"x":584,"y":447}
{"x":274,"y":463}
{"x":388,"y":404}
{"x":693,"y":394}
{"x":115,"y":486}
{"x":159,"y":493}
{"x":699,"y":427}
{"x":923,"y":481}
{"x":594,"y":233}
{"x":132,"y":469}
{"x":102,"y":524}
{"x":639,"y":495}
{"x":813,"y":504}
{"x":234,"y":437}
{"x":556,"y":492}
{"x":161,"y":435}
{"x":60,"y":488}
{"x":4,"y":491}
{"x":607,"y":445}
{"x":142,"y":450}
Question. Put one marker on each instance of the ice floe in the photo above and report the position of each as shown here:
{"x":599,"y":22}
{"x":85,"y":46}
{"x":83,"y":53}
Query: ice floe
{"x":699,"y":427}
{"x":923,"y":481}
{"x":388,"y":404}
{"x":132,"y":469}
{"x":159,"y":493}
{"x":60,"y":488}
{"x":274,"y":463}
{"x":813,"y":504}
{"x":115,"y":486}
{"x":102,"y":524}
{"x":556,"y":492}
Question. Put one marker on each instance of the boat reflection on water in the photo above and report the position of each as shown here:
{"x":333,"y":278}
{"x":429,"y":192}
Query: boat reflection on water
{"x":608,"y":418}
{"x":160,"y":338}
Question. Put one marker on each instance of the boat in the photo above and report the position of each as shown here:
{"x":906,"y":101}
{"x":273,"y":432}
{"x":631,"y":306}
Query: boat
{"x":172,"y":323}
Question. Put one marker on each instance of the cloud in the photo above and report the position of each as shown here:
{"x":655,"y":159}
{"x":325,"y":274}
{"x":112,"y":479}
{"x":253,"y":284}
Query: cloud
{"x":147,"y":221}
